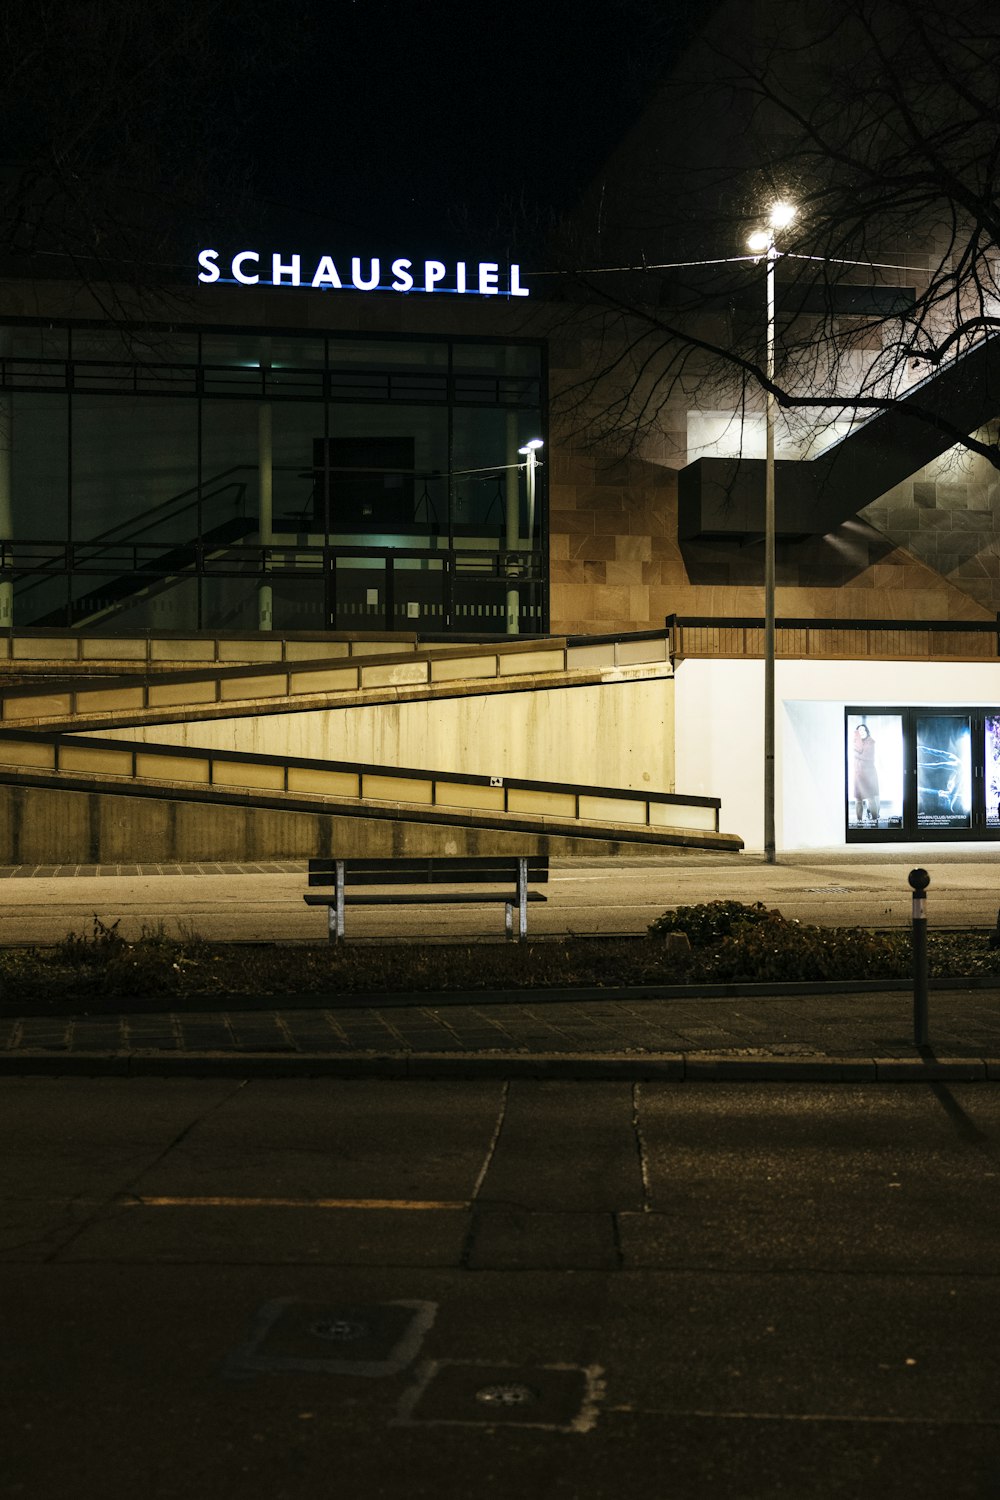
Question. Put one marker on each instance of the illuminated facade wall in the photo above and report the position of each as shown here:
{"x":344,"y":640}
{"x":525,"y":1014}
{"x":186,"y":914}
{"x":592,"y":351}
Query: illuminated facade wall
{"x":932,"y":772}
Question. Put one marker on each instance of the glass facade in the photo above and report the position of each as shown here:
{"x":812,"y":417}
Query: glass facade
{"x":217,"y":479}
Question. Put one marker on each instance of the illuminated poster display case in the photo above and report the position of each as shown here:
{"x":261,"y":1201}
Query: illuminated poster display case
{"x":921,"y":773}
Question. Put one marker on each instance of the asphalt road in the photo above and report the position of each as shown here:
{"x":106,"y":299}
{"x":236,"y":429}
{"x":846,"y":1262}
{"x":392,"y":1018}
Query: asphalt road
{"x":603,"y":897}
{"x":288,"y":1290}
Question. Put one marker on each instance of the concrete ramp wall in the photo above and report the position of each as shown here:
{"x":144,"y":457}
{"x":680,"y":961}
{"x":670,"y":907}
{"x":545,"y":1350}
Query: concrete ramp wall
{"x":53,"y":825}
{"x":537,"y":746}
{"x":615,"y":733}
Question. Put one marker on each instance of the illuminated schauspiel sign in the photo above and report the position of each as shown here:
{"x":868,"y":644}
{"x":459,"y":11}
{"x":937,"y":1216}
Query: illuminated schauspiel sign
{"x":480,"y":279}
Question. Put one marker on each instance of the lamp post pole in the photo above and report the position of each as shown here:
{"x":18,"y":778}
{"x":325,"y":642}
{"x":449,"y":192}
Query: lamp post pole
{"x":769,"y":842}
{"x":530,"y":454}
{"x":762,"y":243}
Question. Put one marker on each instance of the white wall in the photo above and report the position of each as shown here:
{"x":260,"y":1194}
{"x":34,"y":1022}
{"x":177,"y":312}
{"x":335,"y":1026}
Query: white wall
{"x":719,"y":734}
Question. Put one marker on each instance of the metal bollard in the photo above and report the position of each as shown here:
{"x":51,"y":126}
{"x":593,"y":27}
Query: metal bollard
{"x":919,"y":881}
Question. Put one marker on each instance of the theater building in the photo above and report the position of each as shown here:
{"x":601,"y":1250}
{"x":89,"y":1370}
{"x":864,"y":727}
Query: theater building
{"x":283,"y":460}
{"x":326,"y":449}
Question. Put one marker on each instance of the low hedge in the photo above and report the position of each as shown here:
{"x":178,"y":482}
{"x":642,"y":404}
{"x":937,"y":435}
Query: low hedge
{"x":716,"y":942}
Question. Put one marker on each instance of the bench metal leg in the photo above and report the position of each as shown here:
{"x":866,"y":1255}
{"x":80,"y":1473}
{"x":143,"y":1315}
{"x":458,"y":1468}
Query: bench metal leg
{"x":522,"y":898}
{"x":335,"y":911}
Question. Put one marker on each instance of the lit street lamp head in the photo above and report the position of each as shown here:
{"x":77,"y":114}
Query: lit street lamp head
{"x":780,"y":216}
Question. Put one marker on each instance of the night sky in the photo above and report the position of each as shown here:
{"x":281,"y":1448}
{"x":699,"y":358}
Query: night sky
{"x":426,"y":127}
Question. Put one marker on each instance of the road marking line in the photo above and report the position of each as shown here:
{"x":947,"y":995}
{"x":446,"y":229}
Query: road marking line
{"x":139,"y":1201}
{"x":847,"y":1418}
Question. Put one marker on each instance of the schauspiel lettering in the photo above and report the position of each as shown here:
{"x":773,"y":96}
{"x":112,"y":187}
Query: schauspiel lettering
{"x":364,"y":274}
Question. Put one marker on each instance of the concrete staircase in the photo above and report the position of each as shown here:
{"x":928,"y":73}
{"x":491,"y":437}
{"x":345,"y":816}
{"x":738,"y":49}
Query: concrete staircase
{"x":724,"y":497}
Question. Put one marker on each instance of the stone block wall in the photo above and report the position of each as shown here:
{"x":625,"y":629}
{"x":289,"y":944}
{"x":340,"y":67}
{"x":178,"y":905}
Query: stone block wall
{"x":947,"y":517}
{"x":928,"y":549}
{"x":616,"y":563}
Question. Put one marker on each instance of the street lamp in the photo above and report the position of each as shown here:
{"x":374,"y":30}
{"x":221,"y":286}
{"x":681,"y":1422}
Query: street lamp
{"x":530,"y":449}
{"x":761,"y":242}
{"x":530,"y":454}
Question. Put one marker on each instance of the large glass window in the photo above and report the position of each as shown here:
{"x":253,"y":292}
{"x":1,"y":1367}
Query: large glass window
{"x":293,"y":429}
{"x":38,"y":435}
{"x":183,"y":478}
{"x":383,"y":471}
{"x":489,"y":471}
{"x":229,"y":486}
{"x":134,"y":469}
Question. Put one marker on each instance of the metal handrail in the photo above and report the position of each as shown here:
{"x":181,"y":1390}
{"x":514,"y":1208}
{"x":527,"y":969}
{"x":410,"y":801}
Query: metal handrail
{"x":750,"y":622}
{"x":270,"y":557}
{"x":132,"y":528}
{"x":76,"y":687}
{"x":676,"y":625}
{"x":198,"y":493}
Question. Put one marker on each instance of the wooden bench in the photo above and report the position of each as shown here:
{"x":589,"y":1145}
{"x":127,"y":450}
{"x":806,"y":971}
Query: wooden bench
{"x":515,"y":872}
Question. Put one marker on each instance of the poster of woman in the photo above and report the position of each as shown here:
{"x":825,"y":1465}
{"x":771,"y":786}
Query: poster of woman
{"x":874,"y":771}
{"x":866,"y":794}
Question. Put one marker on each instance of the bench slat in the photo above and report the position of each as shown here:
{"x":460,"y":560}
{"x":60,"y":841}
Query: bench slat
{"x":424,"y":861}
{"x":404,"y":899}
{"x":425,"y":872}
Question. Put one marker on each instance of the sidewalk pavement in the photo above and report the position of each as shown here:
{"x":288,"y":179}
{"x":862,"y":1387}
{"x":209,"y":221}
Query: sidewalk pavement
{"x":817,"y":1034}
{"x":263,"y":902}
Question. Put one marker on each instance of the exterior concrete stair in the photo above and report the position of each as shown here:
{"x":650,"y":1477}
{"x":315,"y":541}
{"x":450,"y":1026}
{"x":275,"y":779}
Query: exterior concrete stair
{"x":725,"y":496}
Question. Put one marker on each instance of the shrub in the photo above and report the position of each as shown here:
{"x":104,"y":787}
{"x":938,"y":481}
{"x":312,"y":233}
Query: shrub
{"x":707,"y":924}
{"x":774,"y":949}
{"x":732,"y":941}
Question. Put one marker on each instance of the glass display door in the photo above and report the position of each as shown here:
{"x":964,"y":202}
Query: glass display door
{"x":921,"y":773}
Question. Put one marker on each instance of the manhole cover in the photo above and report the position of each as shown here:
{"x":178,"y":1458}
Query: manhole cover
{"x":831,"y":890}
{"x":340,"y":1330}
{"x":472,"y":1393}
{"x":506,"y":1395}
{"x":366,"y":1339}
